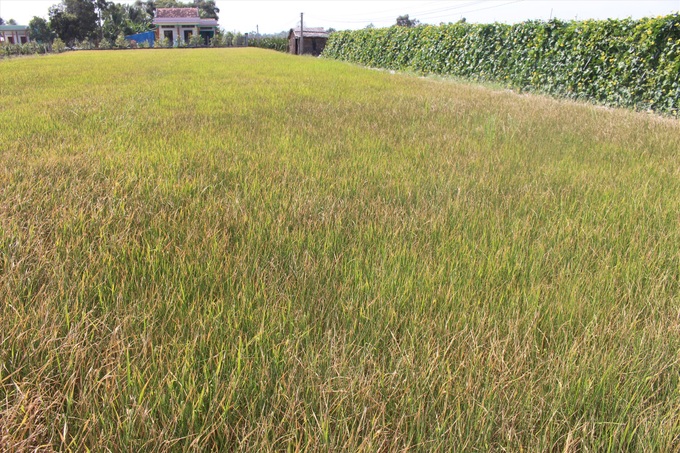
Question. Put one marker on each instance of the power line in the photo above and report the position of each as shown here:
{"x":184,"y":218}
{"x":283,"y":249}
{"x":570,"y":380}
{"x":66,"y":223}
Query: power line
{"x":440,"y":12}
{"x":490,"y":7}
{"x":394,"y":10}
{"x":392,"y":17}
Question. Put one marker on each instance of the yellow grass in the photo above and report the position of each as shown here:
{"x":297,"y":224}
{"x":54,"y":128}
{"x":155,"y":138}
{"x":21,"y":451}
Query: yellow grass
{"x":235,"y":249}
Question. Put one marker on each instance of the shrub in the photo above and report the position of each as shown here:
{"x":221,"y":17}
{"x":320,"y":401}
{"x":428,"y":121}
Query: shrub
{"x":40,"y":48}
{"x":9,"y":50}
{"x":228,"y":39}
{"x":161,"y":43}
{"x":196,"y":40}
{"x":121,"y":42}
{"x":87,"y":44}
{"x":105,"y":44}
{"x":28,"y":48}
{"x":238,"y":40}
{"x":58,"y":46}
{"x":217,"y":40}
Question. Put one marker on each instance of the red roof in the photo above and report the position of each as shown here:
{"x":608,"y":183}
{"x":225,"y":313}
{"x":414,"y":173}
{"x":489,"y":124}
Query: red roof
{"x":177,"y":13}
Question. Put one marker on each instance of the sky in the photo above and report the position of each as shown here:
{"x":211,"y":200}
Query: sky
{"x":271,"y":16}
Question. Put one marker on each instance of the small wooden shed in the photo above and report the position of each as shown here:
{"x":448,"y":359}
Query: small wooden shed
{"x":313,"y":39}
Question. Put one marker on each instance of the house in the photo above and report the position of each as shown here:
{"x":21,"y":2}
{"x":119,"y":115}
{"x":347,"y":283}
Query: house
{"x":180,"y":24}
{"x":14,"y":34}
{"x":313,"y":40}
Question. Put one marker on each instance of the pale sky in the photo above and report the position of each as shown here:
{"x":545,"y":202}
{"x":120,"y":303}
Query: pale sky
{"x":278,"y":15}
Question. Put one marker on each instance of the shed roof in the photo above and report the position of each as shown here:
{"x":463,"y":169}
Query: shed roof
{"x":177,"y":13}
{"x":309,"y":32}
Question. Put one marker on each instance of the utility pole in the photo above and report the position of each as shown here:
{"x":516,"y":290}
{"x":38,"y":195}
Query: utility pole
{"x":302,"y":36}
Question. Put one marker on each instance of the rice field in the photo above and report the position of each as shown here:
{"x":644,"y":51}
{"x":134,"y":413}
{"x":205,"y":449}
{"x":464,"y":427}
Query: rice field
{"x":241,"y":250}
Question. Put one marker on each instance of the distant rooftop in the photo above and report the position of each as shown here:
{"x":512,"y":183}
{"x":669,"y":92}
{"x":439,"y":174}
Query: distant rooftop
{"x":176,"y":13}
{"x":13,"y":27}
{"x":186,"y":16}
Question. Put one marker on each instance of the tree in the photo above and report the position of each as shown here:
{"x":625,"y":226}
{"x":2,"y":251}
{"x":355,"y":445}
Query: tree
{"x":125,"y":19}
{"x":11,"y":22}
{"x":2,"y":21}
{"x":404,"y":21}
{"x":39,"y":30}
{"x":113,"y":21}
{"x":100,"y":7}
{"x":74,"y":20}
{"x":207,"y":9}
{"x":138,"y":16}
{"x":148,"y":7}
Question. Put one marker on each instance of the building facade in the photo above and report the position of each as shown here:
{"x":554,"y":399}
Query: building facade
{"x":14,"y":34}
{"x":178,"y":25}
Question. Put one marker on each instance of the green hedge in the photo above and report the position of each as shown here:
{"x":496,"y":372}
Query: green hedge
{"x":280,"y":44}
{"x":632,"y":63}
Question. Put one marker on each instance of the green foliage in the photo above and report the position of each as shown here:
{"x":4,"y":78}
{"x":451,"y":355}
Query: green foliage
{"x":405,"y":21}
{"x":9,"y":50}
{"x":280,"y":44}
{"x":614,"y":62}
{"x":121,"y":42}
{"x":125,"y":19}
{"x":216,"y":41}
{"x":58,"y":46}
{"x":30,"y":48}
{"x":87,"y":44}
{"x":228,"y":38}
{"x":196,"y":40}
{"x":74,"y":20}
{"x":238,"y":40}
{"x":163,"y":43}
{"x":39,"y":30}
{"x":105,"y":44}
{"x":220,"y":40}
